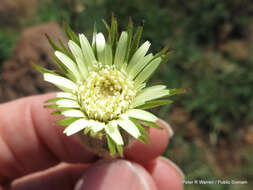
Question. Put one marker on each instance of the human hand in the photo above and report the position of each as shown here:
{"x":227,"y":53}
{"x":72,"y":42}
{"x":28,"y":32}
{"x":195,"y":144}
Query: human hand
{"x":30,"y":143}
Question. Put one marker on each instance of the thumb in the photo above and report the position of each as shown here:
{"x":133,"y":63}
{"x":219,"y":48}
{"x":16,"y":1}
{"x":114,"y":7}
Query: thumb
{"x":114,"y":175}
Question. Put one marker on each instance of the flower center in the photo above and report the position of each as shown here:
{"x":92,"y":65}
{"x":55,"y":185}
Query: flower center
{"x":107,"y":94}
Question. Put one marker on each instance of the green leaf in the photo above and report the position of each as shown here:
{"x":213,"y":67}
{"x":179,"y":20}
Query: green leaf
{"x":152,"y":124}
{"x":143,"y":139}
{"x":44,"y":70}
{"x":111,"y":145}
{"x":57,"y":112}
{"x":130,"y":35}
{"x":120,"y":150}
{"x":86,"y":130}
{"x":114,"y":32}
{"x":54,"y":46}
{"x":92,"y":133}
{"x":107,"y":26}
{"x":140,"y":127}
{"x":136,"y":41}
{"x":52,"y":100}
{"x":176,"y":91}
{"x":166,"y":57}
{"x":154,"y":103}
{"x":66,"y":122}
{"x":41,"y":69}
{"x":71,"y":35}
{"x":161,"y":53}
{"x":52,"y":106}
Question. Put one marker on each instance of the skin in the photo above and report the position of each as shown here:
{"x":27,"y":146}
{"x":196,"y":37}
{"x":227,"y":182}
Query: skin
{"x":35,"y":154}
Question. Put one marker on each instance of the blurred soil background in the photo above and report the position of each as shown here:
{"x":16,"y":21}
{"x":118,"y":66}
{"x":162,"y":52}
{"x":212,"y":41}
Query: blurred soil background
{"x":213,"y":59}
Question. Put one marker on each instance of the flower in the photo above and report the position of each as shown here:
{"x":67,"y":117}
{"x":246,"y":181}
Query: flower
{"x":103,"y":85}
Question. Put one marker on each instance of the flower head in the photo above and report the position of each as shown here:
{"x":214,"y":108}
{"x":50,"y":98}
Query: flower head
{"x":103,"y":85}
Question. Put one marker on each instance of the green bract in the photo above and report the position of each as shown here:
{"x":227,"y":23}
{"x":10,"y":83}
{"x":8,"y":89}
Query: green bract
{"x":104,"y":85}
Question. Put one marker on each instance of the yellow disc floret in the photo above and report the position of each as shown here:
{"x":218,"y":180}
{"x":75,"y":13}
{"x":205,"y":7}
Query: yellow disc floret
{"x":106,"y":94}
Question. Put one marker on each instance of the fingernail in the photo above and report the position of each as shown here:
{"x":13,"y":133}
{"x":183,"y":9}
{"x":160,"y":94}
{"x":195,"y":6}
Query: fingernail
{"x":166,"y":126}
{"x":117,"y":174}
{"x":173,"y":165}
{"x":79,"y":184}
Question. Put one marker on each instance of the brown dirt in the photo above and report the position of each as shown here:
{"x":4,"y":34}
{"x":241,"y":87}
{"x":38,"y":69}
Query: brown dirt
{"x":14,"y":11}
{"x":18,"y":77}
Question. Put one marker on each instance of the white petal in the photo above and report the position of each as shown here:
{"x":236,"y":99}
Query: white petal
{"x":141,"y":114}
{"x":148,"y":71}
{"x":65,"y":95}
{"x":121,"y":50}
{"x":96,"y":126}
{"x":73,"y":113}
{"x":71,"y":65}
{"x":100,"y":44}
{"x":140,"y":87}
{"x":113,"y":131}
{"x":75,"y":49}
{"x":129,"y":127}
{"x":140,"y":65}
{"x":65,"y":103}
{"x":138,"y":56}
{"x":108,"y":55}
{"x":76,"y":127}
{"x":94,"y":38}
{"x":87,"y":50}
{"x":82,"y":67}
{"x":60,"y":81}
{"x":150,"y":93}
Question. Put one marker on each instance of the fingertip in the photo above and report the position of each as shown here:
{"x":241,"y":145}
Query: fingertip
{"x":166,"y":174}
{"x":158,"y":141}
{"x":166,"y":126}
{"x":114,"y":175}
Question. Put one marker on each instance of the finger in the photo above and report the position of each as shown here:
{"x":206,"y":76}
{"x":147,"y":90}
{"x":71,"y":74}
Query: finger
{"x":115,"y":175}
{"x":158,"y":142}
{"x":63,"y":176}
{"x":30,"y":141}
{"x":166,"y":174}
